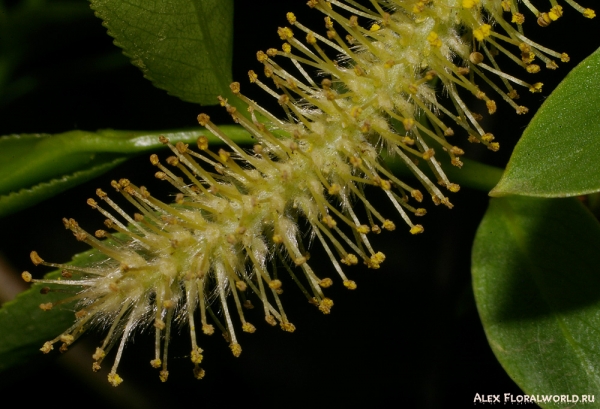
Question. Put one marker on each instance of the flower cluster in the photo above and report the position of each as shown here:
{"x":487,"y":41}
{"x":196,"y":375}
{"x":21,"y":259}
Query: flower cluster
{"x":233,"y":228}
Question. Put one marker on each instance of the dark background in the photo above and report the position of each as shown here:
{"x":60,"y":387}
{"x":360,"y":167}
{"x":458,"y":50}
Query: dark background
{"x":408,"y":336}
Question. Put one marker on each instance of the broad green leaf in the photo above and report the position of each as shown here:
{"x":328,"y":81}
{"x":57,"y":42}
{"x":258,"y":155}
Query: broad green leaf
{"x":182,"y":46}
{"x":537,"y":287}
{"x":24,"y":327}
{"x":558,"y":153}
{"x":36,"y":167}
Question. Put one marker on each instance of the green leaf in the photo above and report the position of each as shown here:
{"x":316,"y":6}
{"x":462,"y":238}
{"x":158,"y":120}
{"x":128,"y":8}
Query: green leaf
{"x":558,"y":153}
{"x":182,"y":46}
{"x":15,"y":201}
{"x":24,"y":327}
{"x":536,"y":283}
{"x":36,"y":167}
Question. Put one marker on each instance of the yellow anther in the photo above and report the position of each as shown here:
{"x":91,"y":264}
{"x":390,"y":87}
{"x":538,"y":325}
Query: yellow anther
{"x":224,"y":155}
{"x":275,"y":284}
{"x":533,"y":68}
{"x":203,"y":119}
{"x":329,"y":221}
{"x":544,"y":20}
{"x":468,"y":4}
{"x":285,"y":33}
{"x":555,"y":13}
{"x":310,"y":39}
{"x":236,"y":349}
{"x":487,"y":137}
{"x":375,"y":27}
{"x":518,"y":18}
{"x":350,"y":285}
{"x":408,"y":123}
{"x":35,"y":258}
{"x":420,"y":212}
{"x":328,"y":23}
{"x":46,"y":306}
{"x":288,"y":327}
{"x":252,"y":75}
{"x":362,"y":229}
{"x":326,"y":283}
{"x":157,"y":363}
{"x":482,"y":32}
{"x":476,"y":57}
{"x":453,"y":187}
{"x":537,"y":87}
{"x":456,"y":162}
{"x":416,"y":229}
{"x":114,"y":379}
{"x":494,"y":146}
{"x":434,"y":39}
{"x":527,"y":57}
{"x":235,"y":87}
{"x":291,"y":18}
{"x":199,"y":373}
{"x":378,"y":257}
{"x":522,"y":110}
{"x":455,"y":150}
{"x":355,"y":162}
{"x":271,"y":320}
{"x":286,"y":48}
{"x":240,"y":285}
{"x":196,"y":355}
{"x":47,"y":347}
{"x":26,"y":276}
{"x":505,"y":5}
{"x":350,"y":260}
{"x":385,"y":184}
{"x":325,"y":305}
{"x":417,"y":195}
{"x":418,"y":7}
{"x":388,"y":225}
{"x":249,"y":328}
{"x":428,"y":154}
{"x":261,"y":56}
{"x":589,"y":13}
{"x":334,"y":189}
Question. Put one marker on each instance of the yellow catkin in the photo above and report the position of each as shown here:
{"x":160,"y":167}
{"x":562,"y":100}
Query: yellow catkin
{"x":236,"y":210}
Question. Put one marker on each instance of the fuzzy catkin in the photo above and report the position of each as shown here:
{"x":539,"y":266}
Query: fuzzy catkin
{"x":235,"y":216}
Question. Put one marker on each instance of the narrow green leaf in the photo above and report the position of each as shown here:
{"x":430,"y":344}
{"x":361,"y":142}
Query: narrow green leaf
{"x":536,"y":283}
{"x":24,"y":198}
{"x":182,"y":46}
{"x":24,"y":327}
{"x":36,"y":167}
{"x":558,"y":153}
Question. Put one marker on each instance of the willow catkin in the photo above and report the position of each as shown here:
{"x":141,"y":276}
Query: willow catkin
{"x":236,"y":212}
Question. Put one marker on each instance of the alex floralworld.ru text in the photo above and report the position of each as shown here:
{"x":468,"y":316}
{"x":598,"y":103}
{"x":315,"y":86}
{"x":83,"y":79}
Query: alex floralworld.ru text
{"x":510,"y":398}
